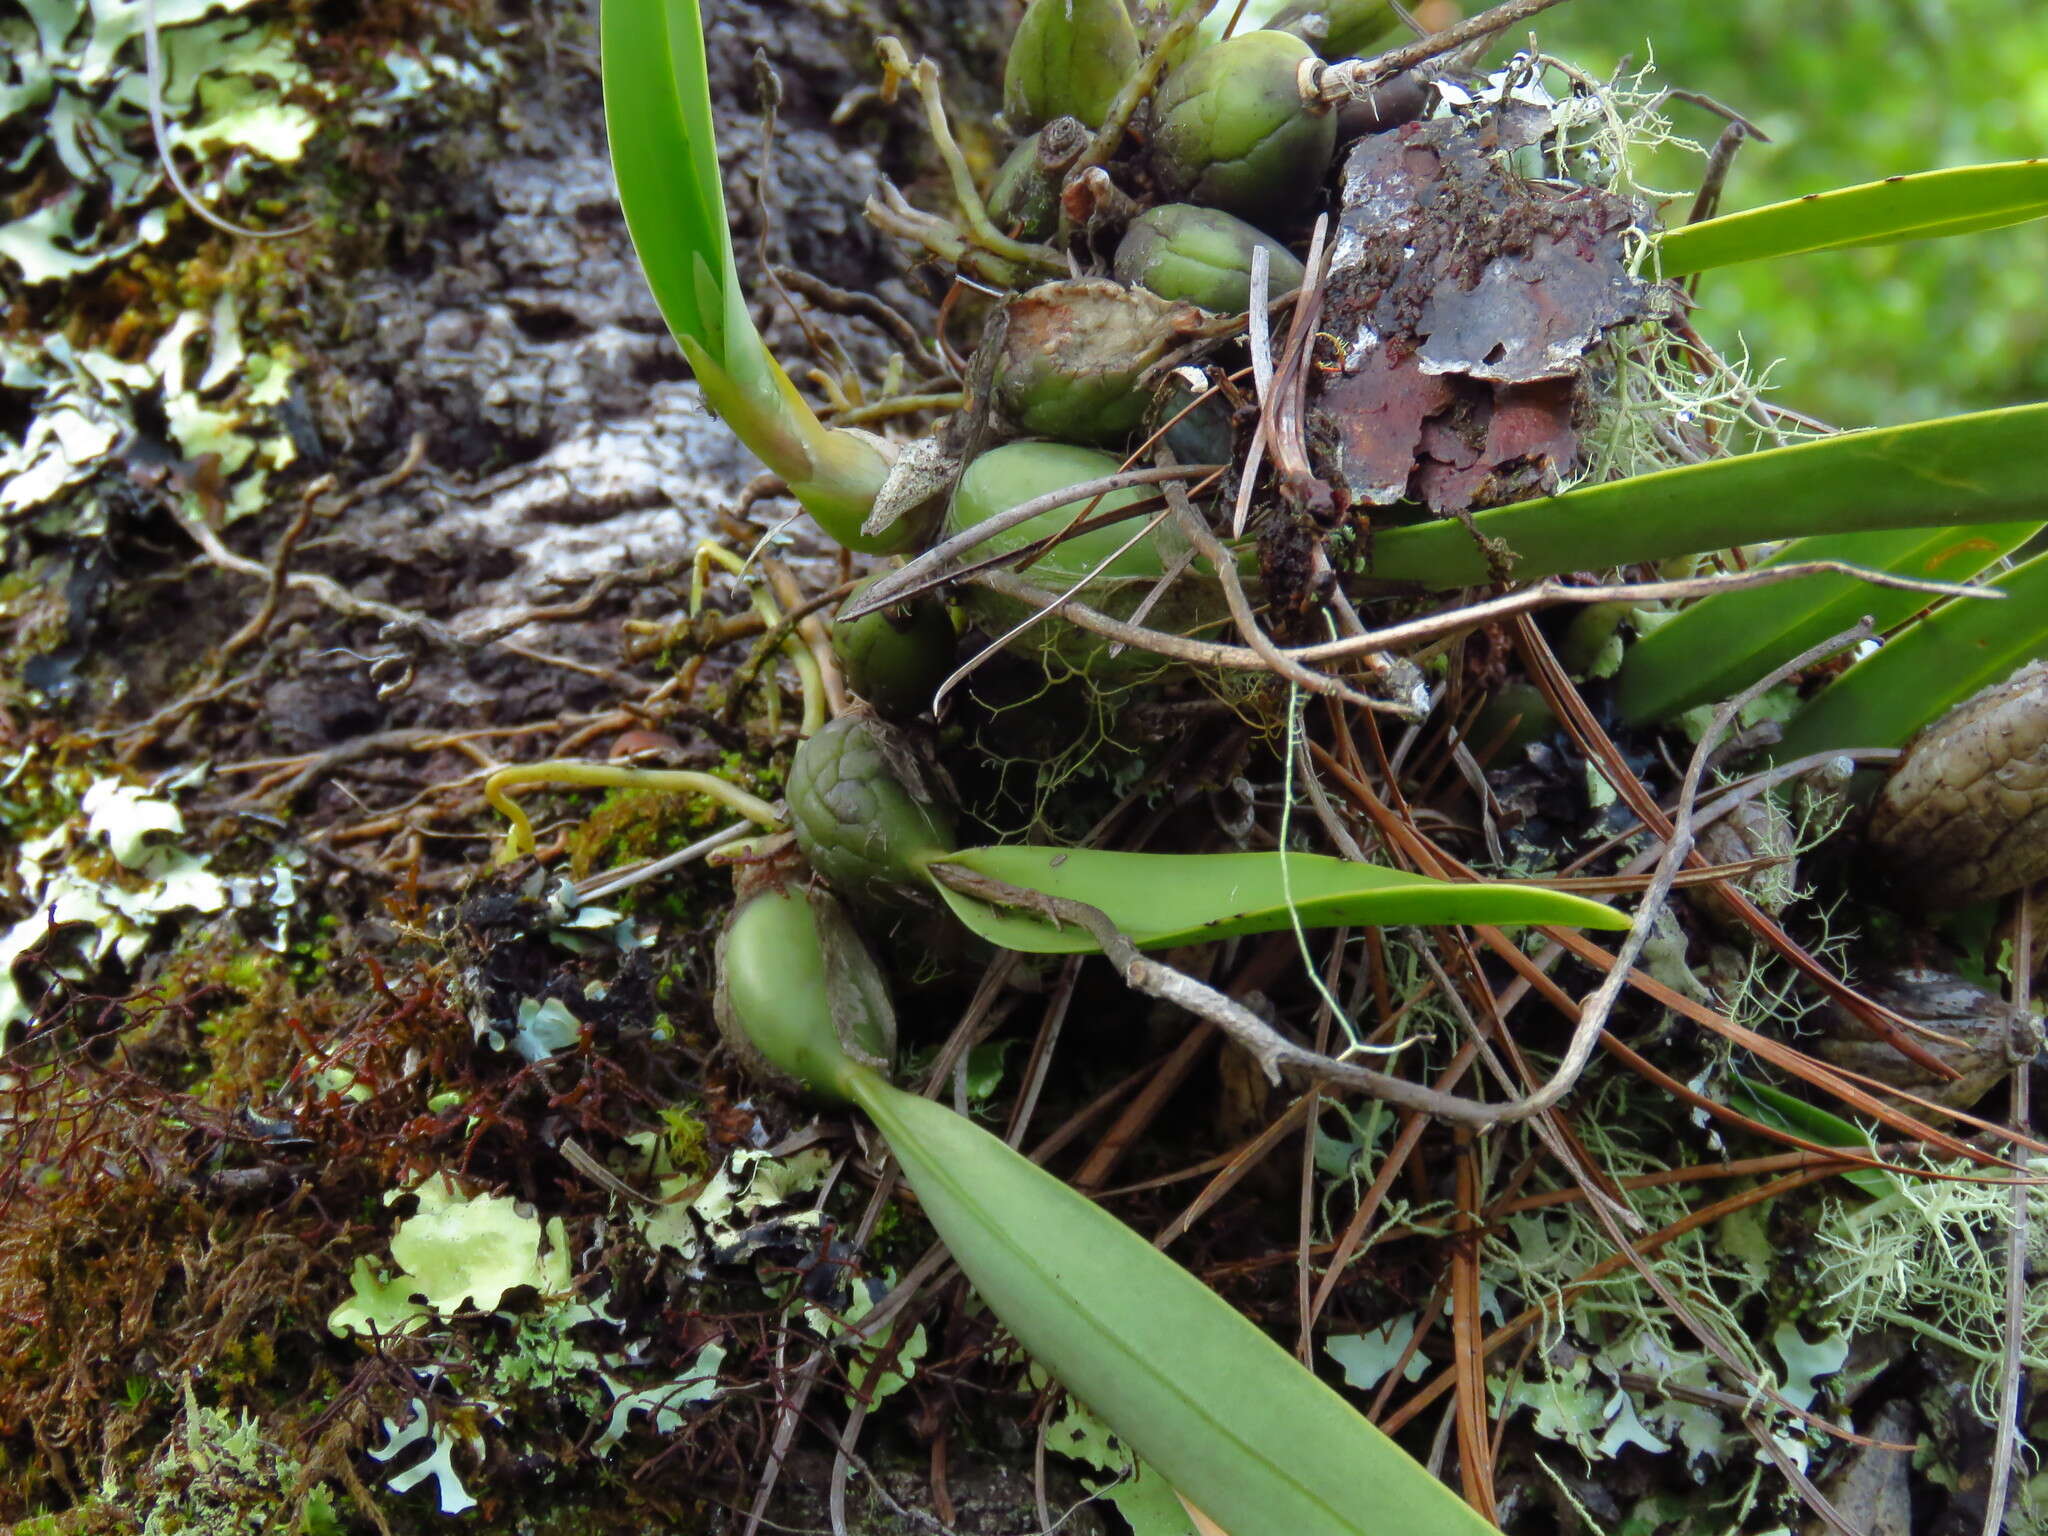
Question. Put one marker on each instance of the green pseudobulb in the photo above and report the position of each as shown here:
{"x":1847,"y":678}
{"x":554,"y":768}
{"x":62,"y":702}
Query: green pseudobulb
{"x":896,"y":657}
{"x":1230,"y":130}
{"x":1068,"y":59}
{"x":799,"y":998}
{"x":1203,"y":256}
{"x":1111,"y":568}
{"x":866,"y":811}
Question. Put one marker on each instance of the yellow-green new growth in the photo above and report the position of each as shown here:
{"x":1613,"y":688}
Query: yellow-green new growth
{"x":657,"y":101}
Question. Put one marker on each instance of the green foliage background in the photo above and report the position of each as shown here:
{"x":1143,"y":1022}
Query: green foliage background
{"x":1852,"y":90}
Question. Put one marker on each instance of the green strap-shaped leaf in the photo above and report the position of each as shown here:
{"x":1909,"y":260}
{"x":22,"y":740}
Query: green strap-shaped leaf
{"x":1964,"y":645}
{"x":1723,"y":643}
{"x":1165,"y":899}
{"x":657,"y":109}
{"x":1952,"y":202}
{"x":657,"y":99}
{"x":1781,"y":1111}
{"x":1947,"y":473}
{"x":1232,"y":1420}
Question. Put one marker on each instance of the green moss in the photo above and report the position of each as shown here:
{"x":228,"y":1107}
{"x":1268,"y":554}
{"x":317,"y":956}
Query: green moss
{"x":92,"y":1518}
{"x":248,"y":971}
{"x":242,"y":992}
{"x":686,"y":1141}
{"x":887,"y":1227}
{"x":633,"y":824}
{"x":764,"y":778}
{"x":245,"y":1360}
{"x":39,"y":797}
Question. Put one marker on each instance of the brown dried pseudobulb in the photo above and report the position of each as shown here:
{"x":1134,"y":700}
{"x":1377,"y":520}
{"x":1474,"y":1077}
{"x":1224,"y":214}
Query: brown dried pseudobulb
{"x":1965,"y":812}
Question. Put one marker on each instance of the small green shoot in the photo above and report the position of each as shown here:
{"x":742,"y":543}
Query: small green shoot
{"x":1782,"y":1112}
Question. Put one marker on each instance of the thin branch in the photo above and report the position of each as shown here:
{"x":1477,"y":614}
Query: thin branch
{"x":863,"y":306}
{"x":1210,"y":548}
{"x":1281,"y":422}
{"x":273,"y":594}
{"x":1137,"y":88}
{"x":1593,"y":1012}
{"x":612,"y":881}
{"x":1243,"y":658}
{"x":1324,"y":85}
{"x":1043,"y":611}
{"x":1273,"y":1051}
{"x":1708,"y":198}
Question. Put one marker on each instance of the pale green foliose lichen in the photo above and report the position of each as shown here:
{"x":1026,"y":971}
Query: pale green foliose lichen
{"x":73,"y":74}
{"x":74,"y":77}
{"x":220,"y":1475}
{"x":461,"y":1255}
{"x":456,"y":1251}
{"x":1144,"y":1498}
{"x":101,"y":882}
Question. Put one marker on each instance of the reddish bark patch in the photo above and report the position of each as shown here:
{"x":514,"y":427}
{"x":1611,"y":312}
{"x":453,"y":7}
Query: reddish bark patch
{"x":1466,"y":299}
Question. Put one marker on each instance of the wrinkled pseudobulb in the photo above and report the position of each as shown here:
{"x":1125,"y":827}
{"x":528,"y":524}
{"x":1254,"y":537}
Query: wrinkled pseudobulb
{"x":1964,"y":815}
{"x":1073,"y":352}
{"x":1230,"y":130}
{"x":867,"y":811}
{"x":1976,"y":1032}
